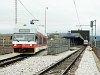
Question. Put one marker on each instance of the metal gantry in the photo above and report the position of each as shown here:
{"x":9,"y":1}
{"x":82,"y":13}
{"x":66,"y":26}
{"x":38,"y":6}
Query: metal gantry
{"x":91,"y":25}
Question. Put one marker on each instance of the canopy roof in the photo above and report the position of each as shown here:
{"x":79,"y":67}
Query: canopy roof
{"x":73,"y":35}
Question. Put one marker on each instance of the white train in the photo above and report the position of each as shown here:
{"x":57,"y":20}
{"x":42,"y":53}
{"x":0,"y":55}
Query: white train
{"x":86,"y":42}
{"x":27,"y":39}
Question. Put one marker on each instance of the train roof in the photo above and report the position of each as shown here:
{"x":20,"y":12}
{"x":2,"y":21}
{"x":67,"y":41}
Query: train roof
{"x":33,"y":29}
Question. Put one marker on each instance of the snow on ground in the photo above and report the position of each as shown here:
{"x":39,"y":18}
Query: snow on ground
{"x":87,"y":65}
{"x":33,"y":65}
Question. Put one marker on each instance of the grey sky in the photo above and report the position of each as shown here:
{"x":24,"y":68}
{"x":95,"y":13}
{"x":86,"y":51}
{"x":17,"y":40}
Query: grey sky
{"x":61,"y":14}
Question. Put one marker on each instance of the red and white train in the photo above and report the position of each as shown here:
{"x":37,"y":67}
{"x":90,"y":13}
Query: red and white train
{"x":27,"y":39}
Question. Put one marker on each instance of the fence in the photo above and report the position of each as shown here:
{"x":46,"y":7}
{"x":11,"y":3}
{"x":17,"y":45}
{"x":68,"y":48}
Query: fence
{"x":57,"y":46}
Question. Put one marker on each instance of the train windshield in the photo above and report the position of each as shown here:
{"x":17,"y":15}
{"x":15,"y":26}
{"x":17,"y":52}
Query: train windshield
{"x":23,"y":37}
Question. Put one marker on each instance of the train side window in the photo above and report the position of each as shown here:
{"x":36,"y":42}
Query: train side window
{"x":45,"y":40}
{"x":36,"y":37}
{"x":40,"y":39}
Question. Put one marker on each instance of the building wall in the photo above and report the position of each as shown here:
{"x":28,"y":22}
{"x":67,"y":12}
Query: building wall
{"x":5,"y":44}
{"x":5,"y":39}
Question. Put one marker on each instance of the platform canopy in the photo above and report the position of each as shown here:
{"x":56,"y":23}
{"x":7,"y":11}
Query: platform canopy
{"x":73,"y":35}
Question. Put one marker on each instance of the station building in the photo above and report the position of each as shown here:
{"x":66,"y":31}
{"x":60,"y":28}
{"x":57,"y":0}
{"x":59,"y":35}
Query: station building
{"x":84,"y":33}
{"x":77,"y":37}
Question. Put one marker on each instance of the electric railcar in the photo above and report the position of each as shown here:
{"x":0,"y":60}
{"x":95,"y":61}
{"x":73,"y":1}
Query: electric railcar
{"x":28,"y":40}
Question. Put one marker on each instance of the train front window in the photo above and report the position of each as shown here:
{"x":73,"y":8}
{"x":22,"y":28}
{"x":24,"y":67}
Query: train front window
{"x":23,"y":37}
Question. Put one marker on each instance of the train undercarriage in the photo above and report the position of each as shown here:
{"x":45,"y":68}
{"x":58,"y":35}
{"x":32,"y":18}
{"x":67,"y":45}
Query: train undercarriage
{"x":24,"y":50}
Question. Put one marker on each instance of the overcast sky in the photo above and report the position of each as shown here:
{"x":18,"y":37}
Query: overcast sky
{"x":61,"y":14}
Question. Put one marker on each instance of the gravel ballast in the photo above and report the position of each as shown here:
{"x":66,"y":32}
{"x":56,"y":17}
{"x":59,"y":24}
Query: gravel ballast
{"x":33,"y":65}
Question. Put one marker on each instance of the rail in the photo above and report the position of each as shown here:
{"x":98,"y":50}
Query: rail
{"x":11,"y":60}
{"x":62,"y":66}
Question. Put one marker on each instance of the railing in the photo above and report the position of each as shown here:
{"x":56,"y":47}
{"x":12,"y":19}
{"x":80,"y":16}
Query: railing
{"x":97,"y":51}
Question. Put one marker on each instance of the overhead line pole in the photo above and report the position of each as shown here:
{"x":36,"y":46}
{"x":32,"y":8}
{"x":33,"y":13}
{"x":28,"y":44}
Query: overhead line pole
{"x":95,"y":33}
{"x":92,"y":37}
{"x":46,"y":8}
{"x":15,"y":11}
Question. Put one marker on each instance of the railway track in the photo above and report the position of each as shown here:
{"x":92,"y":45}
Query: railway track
{"x":63,"y":66}
{"x":20,"y":57}
{"x":11,"y":60}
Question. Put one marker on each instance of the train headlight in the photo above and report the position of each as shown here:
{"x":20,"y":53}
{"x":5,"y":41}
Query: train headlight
{"x":30,"y":44}
{"x":14,"y":44}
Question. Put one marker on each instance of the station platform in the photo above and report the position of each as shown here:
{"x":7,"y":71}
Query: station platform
{"x":6,"y":56}
{"x":88,"y":64}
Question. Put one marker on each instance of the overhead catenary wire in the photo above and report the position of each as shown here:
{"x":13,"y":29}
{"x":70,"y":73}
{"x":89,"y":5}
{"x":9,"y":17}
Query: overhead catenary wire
{"x":27,"y":9}
{"x":76,"y":12}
